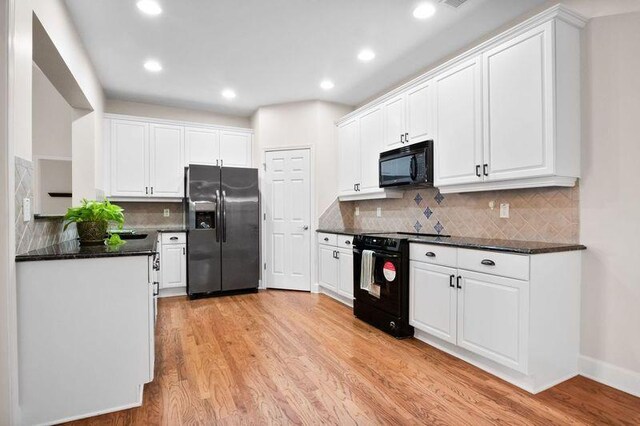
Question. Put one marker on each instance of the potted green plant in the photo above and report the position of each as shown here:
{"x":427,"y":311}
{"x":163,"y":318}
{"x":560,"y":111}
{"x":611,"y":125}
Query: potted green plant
{"x":92,"y":219}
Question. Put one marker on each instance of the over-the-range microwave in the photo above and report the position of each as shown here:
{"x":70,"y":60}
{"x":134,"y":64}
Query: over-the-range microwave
{"x":408,"y":165}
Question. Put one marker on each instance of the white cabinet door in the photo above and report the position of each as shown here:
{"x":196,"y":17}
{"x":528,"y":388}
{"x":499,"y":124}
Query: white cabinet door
{"x":349,"y":157}
{"x":345,"y":281}
{"x":519,"y":106}
{"x":493,"y":318}
{"x":394,"y":122}
{"x":420,"y":113}
{"x":166,"y":178}
{"x":129,"y":158}
{"x":370,"y":146}
{"x":202,"y":146}
{"x":328,"y":273}
{"x":173,"y":266}
{"x":433,"y":300}
{"x":235,"y":149}
{"x":458,"y":137}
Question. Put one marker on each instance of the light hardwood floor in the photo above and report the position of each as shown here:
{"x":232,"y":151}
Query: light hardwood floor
{"x":281,"y":357}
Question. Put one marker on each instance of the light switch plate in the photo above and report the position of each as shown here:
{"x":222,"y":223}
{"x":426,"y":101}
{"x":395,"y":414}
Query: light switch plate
{"x":357,"y":211}
{"x":167,"y":212}
{"x":504,"y":210}
{"x":379,"y":211}
{"x":26,"y":209}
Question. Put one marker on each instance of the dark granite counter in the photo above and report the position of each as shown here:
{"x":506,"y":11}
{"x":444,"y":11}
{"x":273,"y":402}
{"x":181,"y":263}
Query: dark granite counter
{"x":507,"y":246}
{"x":73,"y":250}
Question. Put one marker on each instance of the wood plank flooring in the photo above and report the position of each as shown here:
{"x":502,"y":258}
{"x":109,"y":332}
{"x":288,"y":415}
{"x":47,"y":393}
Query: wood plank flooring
{"x":281,"y":357}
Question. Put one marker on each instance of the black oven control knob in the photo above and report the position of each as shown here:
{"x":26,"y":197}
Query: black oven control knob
{"x":392,"y":325}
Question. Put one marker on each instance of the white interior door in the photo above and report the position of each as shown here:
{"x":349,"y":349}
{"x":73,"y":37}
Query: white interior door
{"x":287,"y":204}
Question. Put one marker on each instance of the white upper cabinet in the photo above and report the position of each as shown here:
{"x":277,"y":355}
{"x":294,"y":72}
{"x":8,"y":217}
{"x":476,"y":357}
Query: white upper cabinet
{"x":349,"y":157}
{"x":420,"y":113}
{"x":145,"y":158}
{"x":202,"y":146}
{"x":395,"y":110}
{"x":458,"y":130}
{"x":370,"y":147}
{"x":166,"y":178}
{"x":129,"y":158}
{"x":503,"y":115}
{"x":518,"y":106}
{"x":235,"y":148}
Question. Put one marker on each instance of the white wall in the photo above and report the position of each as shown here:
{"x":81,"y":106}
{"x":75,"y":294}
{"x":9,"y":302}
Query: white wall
{"x":115,"y":106}
{"x":610,"y":196}
{"x":51,"y":119}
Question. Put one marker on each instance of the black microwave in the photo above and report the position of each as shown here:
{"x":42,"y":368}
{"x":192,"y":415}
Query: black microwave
{"x":409,"y":165}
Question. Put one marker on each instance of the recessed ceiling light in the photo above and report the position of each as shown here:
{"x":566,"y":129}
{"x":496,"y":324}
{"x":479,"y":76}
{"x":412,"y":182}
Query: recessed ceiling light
{"x":150,"y":7}
{"x":326,"y":84}
{"x":228,"y":93}
{"x":153,"y":66}
{"x":424,"y":11}
{"x":366,"y":55}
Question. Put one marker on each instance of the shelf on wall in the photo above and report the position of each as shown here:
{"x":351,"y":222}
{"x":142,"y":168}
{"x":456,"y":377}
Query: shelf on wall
{"x":60,"y":194}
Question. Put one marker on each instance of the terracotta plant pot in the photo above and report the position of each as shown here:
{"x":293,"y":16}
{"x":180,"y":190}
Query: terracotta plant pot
{"x":92,"y":233}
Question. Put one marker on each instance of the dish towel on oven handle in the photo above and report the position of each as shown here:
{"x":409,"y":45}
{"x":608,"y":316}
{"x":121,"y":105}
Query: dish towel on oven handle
{"x":366,"y":270}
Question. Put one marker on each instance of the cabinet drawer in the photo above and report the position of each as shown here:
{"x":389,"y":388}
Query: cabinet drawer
{"x":330,"y":239}
{"x":345,"y":241}
{"x":434,"y":254}
{"x":174,"y":238}
{"x":501,"y":264}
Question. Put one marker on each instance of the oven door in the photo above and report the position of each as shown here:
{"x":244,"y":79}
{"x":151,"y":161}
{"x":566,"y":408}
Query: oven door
{"x":387,"y":277}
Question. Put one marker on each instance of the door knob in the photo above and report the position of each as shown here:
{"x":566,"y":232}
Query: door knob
{"x":305,"y":227}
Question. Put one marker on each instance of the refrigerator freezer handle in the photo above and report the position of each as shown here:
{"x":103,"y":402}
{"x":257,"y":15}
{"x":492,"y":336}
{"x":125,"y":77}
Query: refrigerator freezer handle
{"x":217,"y":213}
{"x":224,"y":216}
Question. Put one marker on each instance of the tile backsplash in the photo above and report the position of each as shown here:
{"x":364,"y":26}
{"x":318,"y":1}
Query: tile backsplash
{"x":537,"y":214}
{"x":151,"y":214}
{"x":34,"y":234}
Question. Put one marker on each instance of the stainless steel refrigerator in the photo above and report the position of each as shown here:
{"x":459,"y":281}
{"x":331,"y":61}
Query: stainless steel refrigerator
{"x":223,"y":219}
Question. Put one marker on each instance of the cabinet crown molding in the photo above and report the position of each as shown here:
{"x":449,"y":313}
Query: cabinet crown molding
{"x":110,"y":116}
{"x":558,"y":11}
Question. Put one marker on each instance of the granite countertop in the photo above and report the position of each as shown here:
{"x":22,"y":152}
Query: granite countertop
{"x":507,"y":246}
{"x":73,"y":250}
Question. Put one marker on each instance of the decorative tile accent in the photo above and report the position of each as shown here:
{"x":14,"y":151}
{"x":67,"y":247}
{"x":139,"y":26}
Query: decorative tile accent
{"x":417,"y":226}
{"x":438,"y":228}
{"x":537,"y":214}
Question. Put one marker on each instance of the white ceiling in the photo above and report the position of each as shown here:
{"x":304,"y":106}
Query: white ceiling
{"x":272,"y":51}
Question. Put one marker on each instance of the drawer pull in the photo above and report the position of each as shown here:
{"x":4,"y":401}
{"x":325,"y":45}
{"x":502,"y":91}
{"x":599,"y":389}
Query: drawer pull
{"x":488,"y":262}
{"x":347,"y":242}
{"x":326,"y":238}
{"x":430,"y":254}
{"x":173,"y":238}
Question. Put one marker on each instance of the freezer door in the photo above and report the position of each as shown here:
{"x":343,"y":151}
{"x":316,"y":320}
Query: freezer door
{"x":203,"y":239}
{"x":240,"y":222}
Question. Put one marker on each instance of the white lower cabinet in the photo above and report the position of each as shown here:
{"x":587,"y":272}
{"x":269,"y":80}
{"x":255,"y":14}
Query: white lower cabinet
{"x":524,"y":329}
{"x":433,"y":300}
{"x":335,"y":266}
{"x":173,"y":264}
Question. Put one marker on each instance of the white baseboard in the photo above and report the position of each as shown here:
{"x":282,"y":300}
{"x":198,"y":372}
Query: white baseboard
{"x":610,"y":375}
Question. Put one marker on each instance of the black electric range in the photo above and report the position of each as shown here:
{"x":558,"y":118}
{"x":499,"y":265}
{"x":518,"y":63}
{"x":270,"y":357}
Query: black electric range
{"x":385,"y":304}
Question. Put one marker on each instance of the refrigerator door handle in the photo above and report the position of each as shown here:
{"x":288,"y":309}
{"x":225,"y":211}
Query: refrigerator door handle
{"x":217,"y":216}
{"x":224,"y":216}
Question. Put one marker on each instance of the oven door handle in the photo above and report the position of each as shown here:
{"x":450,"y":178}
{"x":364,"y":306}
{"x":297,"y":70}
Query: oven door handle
{"x":392,"y":256}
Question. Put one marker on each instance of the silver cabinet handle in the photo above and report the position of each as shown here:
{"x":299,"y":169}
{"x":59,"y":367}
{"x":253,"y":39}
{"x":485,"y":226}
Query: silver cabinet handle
{"x":430,"y":254}
{"x":488,"y":262}
{"x":173,"y":238}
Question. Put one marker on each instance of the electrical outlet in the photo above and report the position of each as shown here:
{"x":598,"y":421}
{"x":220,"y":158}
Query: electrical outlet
{"x":379,"y":211}
{"x":26,"y":209}
{"x":504,"y":210}
{"x":357,"y":211}
{"x":167,"y":212}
